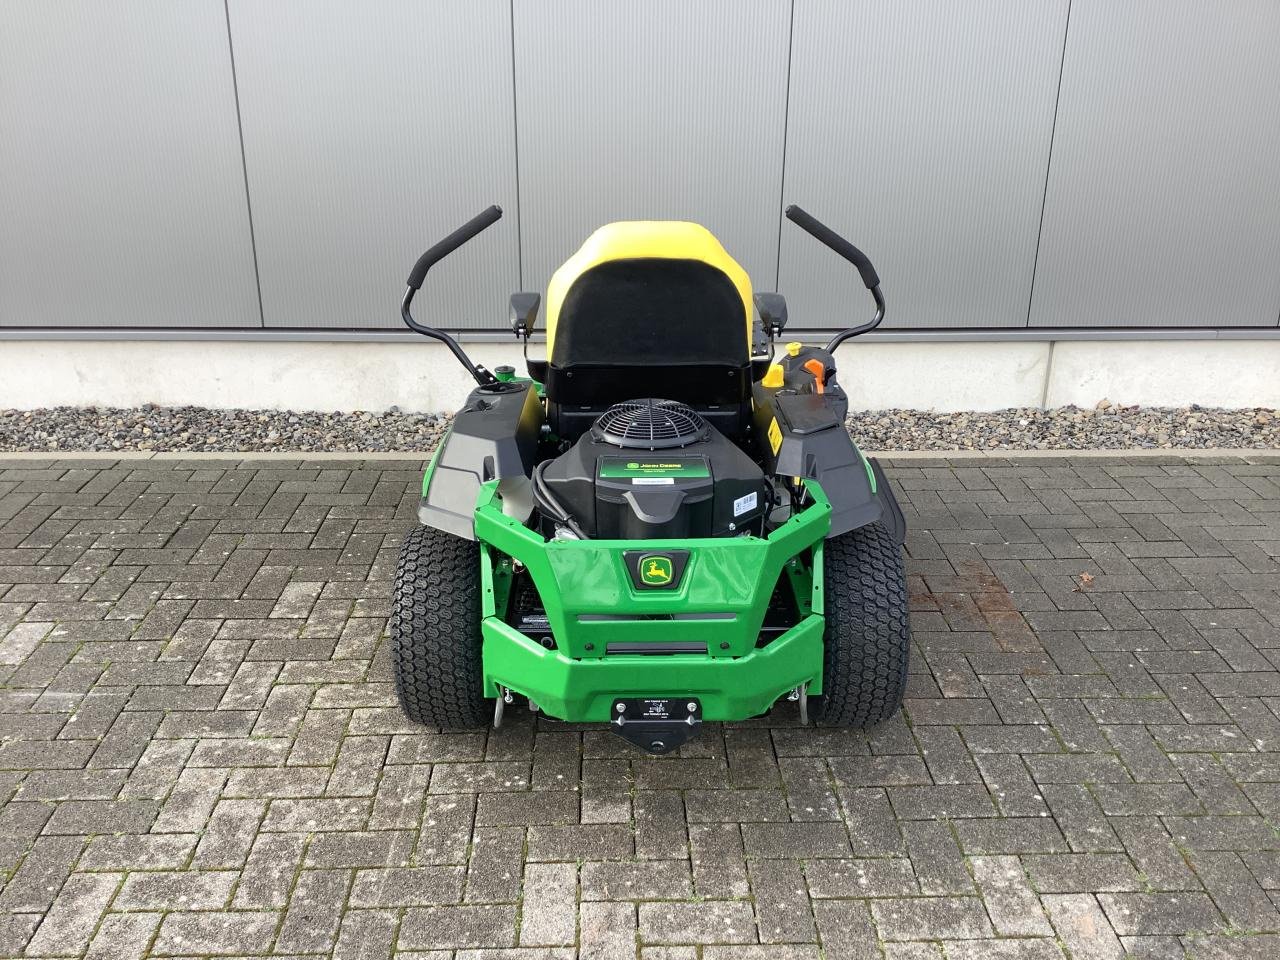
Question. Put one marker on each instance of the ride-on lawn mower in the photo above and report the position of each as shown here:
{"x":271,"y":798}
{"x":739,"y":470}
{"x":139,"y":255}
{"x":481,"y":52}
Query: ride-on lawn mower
{"x":658,"y":526}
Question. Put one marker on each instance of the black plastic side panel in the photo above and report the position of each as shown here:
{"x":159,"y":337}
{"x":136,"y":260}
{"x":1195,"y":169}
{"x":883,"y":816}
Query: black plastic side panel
{"x":815,"y":444}
{"x":803,"y":414}
{"x":893,"y":518}
{"x":494,"y":435}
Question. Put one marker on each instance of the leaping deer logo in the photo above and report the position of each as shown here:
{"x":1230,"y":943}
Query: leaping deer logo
{"x":656,"y":571}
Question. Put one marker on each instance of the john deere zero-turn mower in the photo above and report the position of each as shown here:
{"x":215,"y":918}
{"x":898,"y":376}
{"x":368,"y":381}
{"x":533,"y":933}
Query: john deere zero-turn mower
{"x":659,"y":525}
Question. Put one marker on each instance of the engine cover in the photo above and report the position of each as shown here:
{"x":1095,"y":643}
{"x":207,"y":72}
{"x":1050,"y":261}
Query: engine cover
{"x":666,"y":482}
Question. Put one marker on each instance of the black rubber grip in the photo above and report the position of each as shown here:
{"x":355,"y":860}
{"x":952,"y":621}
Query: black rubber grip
{"x":481,"y":221}
{"x":824,"y":234}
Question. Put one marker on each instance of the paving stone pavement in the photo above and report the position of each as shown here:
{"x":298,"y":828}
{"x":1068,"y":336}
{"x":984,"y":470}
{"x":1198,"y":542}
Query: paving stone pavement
{"x":201,"y":755}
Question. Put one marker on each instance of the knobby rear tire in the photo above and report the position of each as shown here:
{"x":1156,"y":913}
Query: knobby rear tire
{"x":868,"y":636}
{"x":435,"y":630}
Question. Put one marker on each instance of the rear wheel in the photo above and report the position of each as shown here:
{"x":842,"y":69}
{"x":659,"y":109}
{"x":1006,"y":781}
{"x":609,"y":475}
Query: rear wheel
{"x":867,"y":638}
{"x":435,"y":629}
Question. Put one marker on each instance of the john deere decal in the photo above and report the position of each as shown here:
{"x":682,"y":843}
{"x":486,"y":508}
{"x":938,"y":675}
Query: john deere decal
{"x":656,"y":570}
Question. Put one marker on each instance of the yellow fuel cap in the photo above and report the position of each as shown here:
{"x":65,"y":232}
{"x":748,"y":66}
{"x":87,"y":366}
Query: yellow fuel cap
{"x":773,"y":377}
{"x":793,"y":348}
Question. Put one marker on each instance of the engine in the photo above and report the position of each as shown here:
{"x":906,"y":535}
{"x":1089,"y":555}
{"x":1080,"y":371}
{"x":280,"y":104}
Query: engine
{"x":651,"y":469}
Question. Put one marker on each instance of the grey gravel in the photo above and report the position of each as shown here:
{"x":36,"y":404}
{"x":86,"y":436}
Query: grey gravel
{"x":1107,"y":427}
{"x":216,"y":431}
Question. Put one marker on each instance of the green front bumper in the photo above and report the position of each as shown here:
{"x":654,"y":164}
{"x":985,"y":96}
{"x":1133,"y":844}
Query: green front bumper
{"x":728,"y":581}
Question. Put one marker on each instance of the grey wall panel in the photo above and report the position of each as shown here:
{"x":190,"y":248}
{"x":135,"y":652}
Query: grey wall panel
{"x":122,"y":196}
{"x":371,"y":130}
{"x":921,"y":130}
{"x":1163,"y":204}
{"x":654,"y":110}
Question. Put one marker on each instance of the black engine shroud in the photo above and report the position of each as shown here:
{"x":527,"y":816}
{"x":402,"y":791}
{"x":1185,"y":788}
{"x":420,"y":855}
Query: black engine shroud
{"x":654,"y":469}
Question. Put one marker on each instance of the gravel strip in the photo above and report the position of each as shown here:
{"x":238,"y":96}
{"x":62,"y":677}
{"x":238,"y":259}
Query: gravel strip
{"x":1107,"y":427}
{"x":216,"y":431}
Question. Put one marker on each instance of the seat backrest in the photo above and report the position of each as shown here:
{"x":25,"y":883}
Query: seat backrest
{"x":649,"y":308}
{"x":653,"y":311}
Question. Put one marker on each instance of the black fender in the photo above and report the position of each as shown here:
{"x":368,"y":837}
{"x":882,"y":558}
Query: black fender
{"x":891,"y":516}
{"x":803,"y":435}
{"x":493,"y":437}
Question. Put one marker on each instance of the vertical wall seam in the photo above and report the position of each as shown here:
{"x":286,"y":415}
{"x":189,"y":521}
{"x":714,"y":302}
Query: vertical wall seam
{"x":515,"y":147}
{"x":244,"y":165}
{"x":786,"y":116}
{"x":1048,"y":375}
{"x":1048,"y":167}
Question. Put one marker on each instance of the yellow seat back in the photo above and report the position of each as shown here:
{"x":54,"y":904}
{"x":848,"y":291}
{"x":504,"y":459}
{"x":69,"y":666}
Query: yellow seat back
{"x":642,"y":240}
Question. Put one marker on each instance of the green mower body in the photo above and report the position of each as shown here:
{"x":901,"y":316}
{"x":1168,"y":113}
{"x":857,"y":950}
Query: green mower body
{"x":653,"y":564}
{"x":700,"y":637}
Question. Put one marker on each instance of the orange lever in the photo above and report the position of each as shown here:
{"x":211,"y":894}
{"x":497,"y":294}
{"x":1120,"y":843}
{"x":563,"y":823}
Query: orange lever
{"x":819,"y":372}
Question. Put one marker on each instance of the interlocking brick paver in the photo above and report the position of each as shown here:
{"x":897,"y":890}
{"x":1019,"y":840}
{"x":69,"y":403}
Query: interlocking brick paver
{"x":782,"y":905}
{"x":870,"y":877}
{"x":233,"y":933}
{"x":710,"y":921}
{"x":69,"y":924}
{"x":1011,"y":903}
{"x":434,"y":928}
{"x":641,"y":880}
{"x":718,"y":860}
{"x":1083,"y":927}
{"x":608,"y":932}
{"x":45,"y":867}
{"x":1160,"y":913}
{"x":165,"y":890}
{"x":495,"y":867}
{"x":366,"y":935}
{"x":123,"y":936}
{"x":548,"y":915}
{"x":314,"y":913}
{"x":201,"y":754}
{"x":846,"y":930}
{"x":1020,"y":949}
{"x":936,"y":859}
{"x":931,"y":918}
{"x":1082,"y":872}
{"x":659,"y":824}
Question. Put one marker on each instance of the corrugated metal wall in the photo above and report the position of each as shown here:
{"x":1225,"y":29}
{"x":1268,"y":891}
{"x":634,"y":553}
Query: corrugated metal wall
{"x":1007,"y":163}
{"x":122,"y":196}
{"x":1163,"y":203}
{"x":923,"y":130}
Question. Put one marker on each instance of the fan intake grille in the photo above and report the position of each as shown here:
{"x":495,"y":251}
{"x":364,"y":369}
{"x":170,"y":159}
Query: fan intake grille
{"x":650,"y":424}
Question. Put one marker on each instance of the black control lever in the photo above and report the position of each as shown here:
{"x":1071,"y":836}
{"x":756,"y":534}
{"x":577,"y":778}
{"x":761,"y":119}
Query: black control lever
{"x":829,"y":238}
{"x":482,"y":221}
